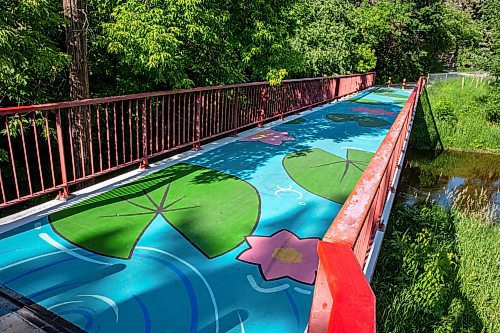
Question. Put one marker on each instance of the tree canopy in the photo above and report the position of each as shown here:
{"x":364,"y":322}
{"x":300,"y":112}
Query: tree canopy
{"x":143,"y":45}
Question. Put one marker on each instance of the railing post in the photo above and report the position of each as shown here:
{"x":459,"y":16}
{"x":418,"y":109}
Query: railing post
{"x":64,"y":194}
{"x":197,"y":125}
{"x":144,"y":164}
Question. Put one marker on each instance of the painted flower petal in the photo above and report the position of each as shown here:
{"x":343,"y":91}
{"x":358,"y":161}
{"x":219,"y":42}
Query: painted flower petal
{"x":270,"y":137}
{"x":283,"y":254}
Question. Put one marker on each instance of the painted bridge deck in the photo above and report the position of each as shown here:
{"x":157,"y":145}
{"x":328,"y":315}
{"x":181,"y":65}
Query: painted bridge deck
{"x":218,"y":240}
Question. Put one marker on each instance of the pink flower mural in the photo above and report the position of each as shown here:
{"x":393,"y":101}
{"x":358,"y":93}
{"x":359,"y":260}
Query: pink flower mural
{"x":270,"y":137}
{"x":374,"y":111}
{"x":283,"y":254}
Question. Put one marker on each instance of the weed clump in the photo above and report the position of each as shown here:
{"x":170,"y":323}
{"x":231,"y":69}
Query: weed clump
{"x":438,"y":269}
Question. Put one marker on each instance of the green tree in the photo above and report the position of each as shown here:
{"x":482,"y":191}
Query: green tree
{"x":31,"y":61}
{"x":491,"y":12}
{"x":328,"y":39}
{"x":464,"y":35}
{"x":159,"y":44}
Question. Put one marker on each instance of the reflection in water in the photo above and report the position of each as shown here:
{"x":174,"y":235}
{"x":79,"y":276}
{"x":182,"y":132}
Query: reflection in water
{"x":448,"y":177}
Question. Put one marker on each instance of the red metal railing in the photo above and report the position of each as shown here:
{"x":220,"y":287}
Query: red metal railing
{"x":52,"y":146}
{"x":354,"y":228}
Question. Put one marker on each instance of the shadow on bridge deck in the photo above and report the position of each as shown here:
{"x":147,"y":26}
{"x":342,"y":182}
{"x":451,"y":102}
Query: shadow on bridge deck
{"x":223,"y":239}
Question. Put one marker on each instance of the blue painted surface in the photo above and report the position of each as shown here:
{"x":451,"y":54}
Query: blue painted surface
{"x":168,"y":285}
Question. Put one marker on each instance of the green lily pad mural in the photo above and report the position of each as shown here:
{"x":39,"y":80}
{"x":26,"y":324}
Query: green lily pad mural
{"x":383,"y":90}
{"x":363,"y":121}
{"x":393,"y":95}
{"x":400,"y":101}
{"x":367,"y":101}
{"x":327,"y":175}
{"x":213,"y":210}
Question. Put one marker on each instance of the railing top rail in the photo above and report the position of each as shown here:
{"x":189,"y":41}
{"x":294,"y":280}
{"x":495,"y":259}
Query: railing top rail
{"x":349,"y":221}
{"x":68,"y":104}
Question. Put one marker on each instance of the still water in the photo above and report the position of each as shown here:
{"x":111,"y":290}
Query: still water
{"x":444,"y":177}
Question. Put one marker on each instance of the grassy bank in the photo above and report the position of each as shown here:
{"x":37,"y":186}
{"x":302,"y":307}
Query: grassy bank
{"x":438,"y":271}
{"x":463,"y":119}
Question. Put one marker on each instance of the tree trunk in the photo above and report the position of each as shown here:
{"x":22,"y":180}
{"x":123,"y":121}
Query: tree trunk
{"x":76,"y":43}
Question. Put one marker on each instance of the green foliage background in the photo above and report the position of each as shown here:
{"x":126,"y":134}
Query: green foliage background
{"x":143,"y":45}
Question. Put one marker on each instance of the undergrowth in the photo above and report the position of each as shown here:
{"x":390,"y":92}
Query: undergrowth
{"x":465,"y":119}
{"x":439,"y":269}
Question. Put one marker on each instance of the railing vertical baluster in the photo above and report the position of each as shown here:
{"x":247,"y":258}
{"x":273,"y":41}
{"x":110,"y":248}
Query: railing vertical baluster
{"x":236,"y":107}
{"x":82,"y":160}
{"x":91,"y":148}
{"x":174,"y":122}
{"x":124,"y":158}
{"x":131,"y":147}
{"x":137,"y":135}
{"x":157,"y":130}
{"x":163,"y":123}
{"x":191,"y":114}
{"x":211,"y":118}
{"x":255,"y":105}
{"x":115,"y":134}
{"x":197,"y":122}
{"x":107,"y":135}
{"x":204,"y":115}
{"x":263,"y":106}
{"x":224,"y":112}
{"x":169,"y":124}
{"x":144,"y":163}
{"x":62,"y":159}
{"x":184,"y":129}
{"x":35,"y":133}
{"x":12,"y":161}
{"x":70,"y":130}
{"x":2,"y":188}
{"x":49,"y":144}
{"x":99,"y":136}
{"x":216,"y":112}
{"x":150,"y":124}
{"x":281,"y":101}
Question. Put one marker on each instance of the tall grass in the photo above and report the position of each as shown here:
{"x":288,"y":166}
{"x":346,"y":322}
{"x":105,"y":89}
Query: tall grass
{"x":464,"y":118}
{"x":439,"y":270}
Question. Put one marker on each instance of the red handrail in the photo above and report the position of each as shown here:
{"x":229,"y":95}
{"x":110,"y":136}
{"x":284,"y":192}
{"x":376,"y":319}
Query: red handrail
{"x":49,"y":147}
{"x":354,"y":306}
{"x":354,"y":228}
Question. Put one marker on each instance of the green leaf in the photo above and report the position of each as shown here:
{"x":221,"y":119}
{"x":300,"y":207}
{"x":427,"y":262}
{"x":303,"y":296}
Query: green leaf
{"x":363,"y":121}
{"x":211,"y":209}
{"x":325,"y":174}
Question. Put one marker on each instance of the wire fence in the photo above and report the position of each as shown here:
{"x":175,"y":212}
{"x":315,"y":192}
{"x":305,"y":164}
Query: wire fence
{"x":434,"y":77}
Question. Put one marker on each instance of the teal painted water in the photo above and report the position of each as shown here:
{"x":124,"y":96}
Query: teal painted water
{"x":168,"y":285}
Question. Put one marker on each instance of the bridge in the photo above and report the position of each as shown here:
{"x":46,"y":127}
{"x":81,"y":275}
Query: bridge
{"x":203,"y":210}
